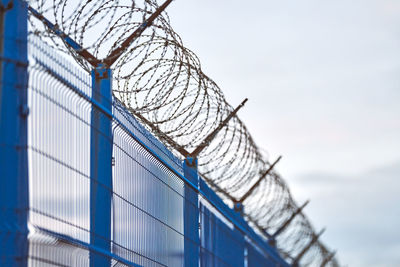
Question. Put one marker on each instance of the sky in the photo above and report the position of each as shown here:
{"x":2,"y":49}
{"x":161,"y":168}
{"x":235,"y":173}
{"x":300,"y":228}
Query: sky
{"x":323,"y":83}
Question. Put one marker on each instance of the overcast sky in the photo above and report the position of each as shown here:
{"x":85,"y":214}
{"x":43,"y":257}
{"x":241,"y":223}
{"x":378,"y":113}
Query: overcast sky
{"x":323,"y":82}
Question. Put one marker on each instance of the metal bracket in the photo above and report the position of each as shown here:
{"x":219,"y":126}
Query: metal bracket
{"x":238,"y":207}
{"x":101,"y":72}
{"x":191,"y":162}
{"x":9,"y":6}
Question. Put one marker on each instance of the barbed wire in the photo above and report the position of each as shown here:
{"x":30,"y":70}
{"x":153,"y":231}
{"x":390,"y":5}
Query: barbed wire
{"x":162,"y":83}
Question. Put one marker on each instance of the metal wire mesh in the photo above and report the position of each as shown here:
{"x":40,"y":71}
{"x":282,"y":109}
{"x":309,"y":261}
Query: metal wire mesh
{"x":148,"y":199}
{"x":59,"y":140}
{"x":221,"y":243}
{"x":161,"y":81}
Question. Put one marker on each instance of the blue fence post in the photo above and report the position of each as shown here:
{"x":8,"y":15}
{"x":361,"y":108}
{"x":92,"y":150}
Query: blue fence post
{"x":14,"y":199}
{"x":101,"y":167}
{"x":191,"y":215}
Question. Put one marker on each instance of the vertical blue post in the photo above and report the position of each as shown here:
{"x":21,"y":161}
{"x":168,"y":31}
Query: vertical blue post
{"x":13,"y":134}
{"x":191,"y":215}
{"x":100,"y":167}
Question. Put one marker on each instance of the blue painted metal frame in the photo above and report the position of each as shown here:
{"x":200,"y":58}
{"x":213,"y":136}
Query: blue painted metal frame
{"x":14,"y":200}
{"x":93,"y":249}
{"x":239,"y":223}
{"x":101,"y":167}
{"x":192,"y":182}
{"x":191,"y":215}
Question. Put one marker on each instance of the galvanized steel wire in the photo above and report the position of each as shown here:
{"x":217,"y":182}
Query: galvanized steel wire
{"x":161,"y":80}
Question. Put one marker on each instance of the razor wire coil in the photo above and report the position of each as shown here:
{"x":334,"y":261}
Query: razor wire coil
{"x":162,"y":80}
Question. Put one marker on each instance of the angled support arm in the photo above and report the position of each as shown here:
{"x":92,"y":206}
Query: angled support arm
{"x":306,"y":248}
{"x":214,"y":133}
{"x":256,"y":184}
{"x":286,"y":224}
{"x":68,"y":40}
{"x":114,"y":55}
{"x":328,"y":259}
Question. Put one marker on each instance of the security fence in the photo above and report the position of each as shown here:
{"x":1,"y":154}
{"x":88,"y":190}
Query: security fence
{"x":87,"y":180}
